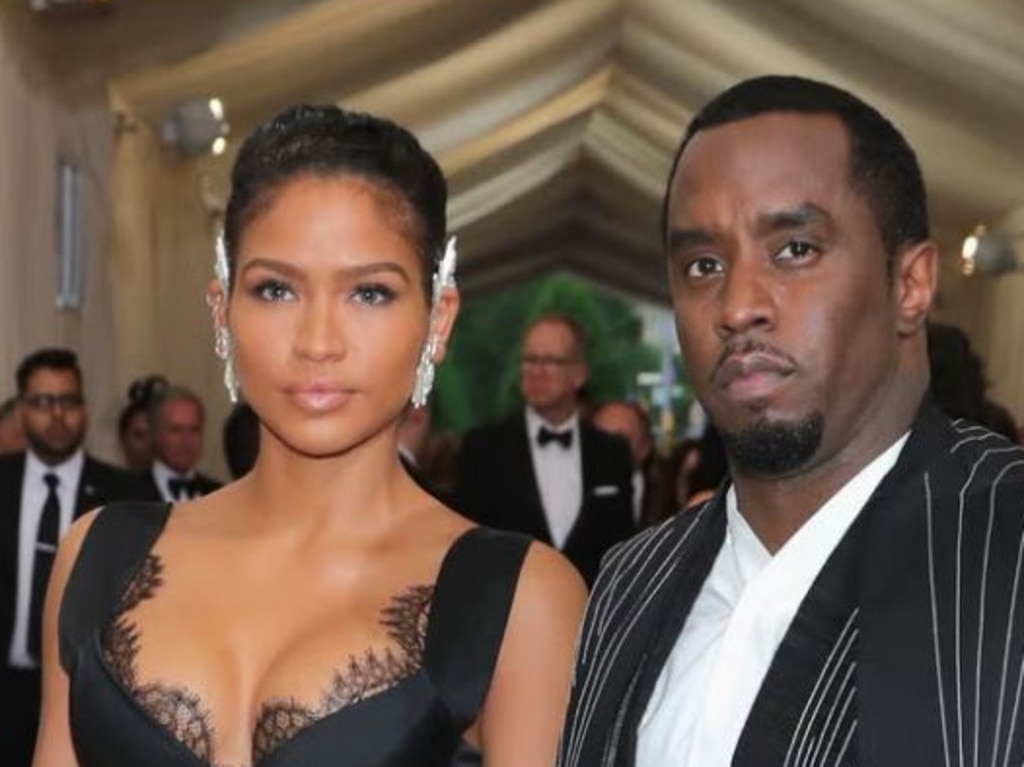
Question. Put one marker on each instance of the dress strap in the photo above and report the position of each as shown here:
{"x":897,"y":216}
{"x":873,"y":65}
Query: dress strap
{"x":472,"y":600}
{"x":114,"y":547}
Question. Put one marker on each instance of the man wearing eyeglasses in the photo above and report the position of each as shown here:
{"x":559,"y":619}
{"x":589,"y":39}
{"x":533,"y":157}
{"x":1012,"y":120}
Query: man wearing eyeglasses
{"x":543,"y":472}
{"x":42,"y":489}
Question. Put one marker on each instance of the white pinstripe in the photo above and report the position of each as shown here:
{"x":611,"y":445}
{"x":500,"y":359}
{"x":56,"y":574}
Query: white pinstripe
{"x":958,"y":623}
{"x":1006,"y":655}
{"x":596,"y":678}
{"x":846,"y":743}
{"x":981,"y":606}
{"x":803,"y":723}
{"x":830,"y":721}
{"x":935,"y":612}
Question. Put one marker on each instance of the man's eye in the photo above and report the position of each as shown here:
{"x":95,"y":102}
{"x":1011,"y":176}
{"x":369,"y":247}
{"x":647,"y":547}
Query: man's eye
{"x":373,"y":294}
{"x":703,"y":267}
{"x":273,"y":291}
{"x":795,"y":250}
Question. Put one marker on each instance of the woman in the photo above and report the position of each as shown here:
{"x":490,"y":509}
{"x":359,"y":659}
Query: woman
{"x":323,"y":609}
{"x":133,"y":423}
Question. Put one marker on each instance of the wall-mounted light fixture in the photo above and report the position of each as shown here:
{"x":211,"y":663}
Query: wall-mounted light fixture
{"x":196,"y":127}
{"x":70,"y":256}
{"x":987,"y":251}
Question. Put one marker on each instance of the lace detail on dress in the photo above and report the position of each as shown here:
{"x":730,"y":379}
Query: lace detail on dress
{"x":405,"y":620}
{"x":177,"y":709}
{"x":182,"y":713}
{"x":121,"y":637}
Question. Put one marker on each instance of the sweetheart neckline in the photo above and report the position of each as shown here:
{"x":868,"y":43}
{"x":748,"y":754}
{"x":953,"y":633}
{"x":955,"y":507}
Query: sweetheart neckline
{"x":284,"y":745}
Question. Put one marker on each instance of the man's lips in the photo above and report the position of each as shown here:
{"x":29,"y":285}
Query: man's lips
{"x":751,"y":372}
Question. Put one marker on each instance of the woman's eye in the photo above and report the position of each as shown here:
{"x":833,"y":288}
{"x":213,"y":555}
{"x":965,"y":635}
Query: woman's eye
{"x":373,"y":294}
{"x":703,"y":267}
{"x":273,"y":291}
{"x":795,"y":250}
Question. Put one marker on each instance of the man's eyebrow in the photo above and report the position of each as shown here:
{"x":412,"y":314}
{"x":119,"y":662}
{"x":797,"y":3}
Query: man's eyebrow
{"x":681,"y":239}
{"x":798,"y":217}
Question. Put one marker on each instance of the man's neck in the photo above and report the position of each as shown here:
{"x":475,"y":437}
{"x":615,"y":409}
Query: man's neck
{"x":53,"y":461}
{"x":556,"y":416}
{"x":776,"y":507}
{"x":168,"y":469}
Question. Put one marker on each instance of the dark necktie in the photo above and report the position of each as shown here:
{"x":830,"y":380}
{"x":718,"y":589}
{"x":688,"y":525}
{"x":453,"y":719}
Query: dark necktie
{"x":46,"y":547}
{"x":546,"y":435}
{"x":182,"y":488}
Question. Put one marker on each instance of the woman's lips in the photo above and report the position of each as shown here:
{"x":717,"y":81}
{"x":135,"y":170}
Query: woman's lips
{"x":319,"y":399}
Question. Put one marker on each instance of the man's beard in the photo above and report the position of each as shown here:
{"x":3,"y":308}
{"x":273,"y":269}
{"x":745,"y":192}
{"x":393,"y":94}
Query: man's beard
{"x":775,"y":448}
{"x":49,"y":453}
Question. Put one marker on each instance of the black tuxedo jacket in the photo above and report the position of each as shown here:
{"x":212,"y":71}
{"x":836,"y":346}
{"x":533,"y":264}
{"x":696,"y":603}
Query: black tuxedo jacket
{"x":496,"y":486}
{"x":908,"y":650}
{"x":100,"y":484}
{"x":205,"y":484}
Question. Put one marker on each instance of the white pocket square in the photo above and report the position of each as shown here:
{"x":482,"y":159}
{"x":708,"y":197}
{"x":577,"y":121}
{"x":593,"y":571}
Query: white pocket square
{"x":602,"y":490}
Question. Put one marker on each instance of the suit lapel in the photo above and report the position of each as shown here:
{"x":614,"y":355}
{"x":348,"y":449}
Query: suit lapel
{"x":10,"y":491}
{"x":525,"y":477}
{"x":88,"y":495}
{"x":587,"y":472}
{"x":851,"y":640}
{"x":661,"y":620}
{"x":806,"y":709}
{"x":922,"y":523}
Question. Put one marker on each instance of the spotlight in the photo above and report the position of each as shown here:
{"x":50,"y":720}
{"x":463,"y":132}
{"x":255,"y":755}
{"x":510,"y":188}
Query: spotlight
{"x":195,"y":127}
{"x":987,"y":251}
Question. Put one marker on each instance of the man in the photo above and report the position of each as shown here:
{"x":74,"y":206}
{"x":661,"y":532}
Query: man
{"x":852,"y":597}
{"x":12,"y":436}
{"x":176,"y":417}
{"x":543,"y":472}
{"x":42,"y":489}
{"x":629,"y":421}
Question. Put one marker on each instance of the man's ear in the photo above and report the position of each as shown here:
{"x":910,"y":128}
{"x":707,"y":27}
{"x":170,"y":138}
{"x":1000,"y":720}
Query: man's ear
{"x":442,"y":319}
{"x":916,"y":276}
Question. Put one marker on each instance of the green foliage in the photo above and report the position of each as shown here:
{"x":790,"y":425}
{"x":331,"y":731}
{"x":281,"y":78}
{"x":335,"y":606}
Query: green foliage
{"x":479,"y":380}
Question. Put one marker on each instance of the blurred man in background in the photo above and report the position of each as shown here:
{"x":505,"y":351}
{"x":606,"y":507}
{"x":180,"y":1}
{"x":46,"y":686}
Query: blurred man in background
{"x":176,"y":420}
{"x":543,"y":471}
{"x":42,"y":490}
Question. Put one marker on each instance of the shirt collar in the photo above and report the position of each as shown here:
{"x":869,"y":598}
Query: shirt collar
{"x":162,"y":472}
{"x":824,"y":523}
{"x":534,"y":421}
{"x":68,"y":471}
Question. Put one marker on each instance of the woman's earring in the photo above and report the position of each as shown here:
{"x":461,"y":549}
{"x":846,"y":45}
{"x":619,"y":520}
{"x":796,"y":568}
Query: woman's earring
{"x":222,"y":347}
{"x":444,"y":277}
{"x":221,"y":334}
{"x":424,"y":373}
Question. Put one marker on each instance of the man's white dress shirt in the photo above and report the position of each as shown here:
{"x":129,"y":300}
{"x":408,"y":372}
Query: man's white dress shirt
{"x":33,"y":495}
{"x":559,"y":472}
{"x":163,"y":474}
{"x":711,"y":678}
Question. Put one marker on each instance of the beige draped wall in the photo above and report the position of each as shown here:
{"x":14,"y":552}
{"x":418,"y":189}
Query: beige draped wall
{"x":161,"y":263}
{"x":38,"y":124}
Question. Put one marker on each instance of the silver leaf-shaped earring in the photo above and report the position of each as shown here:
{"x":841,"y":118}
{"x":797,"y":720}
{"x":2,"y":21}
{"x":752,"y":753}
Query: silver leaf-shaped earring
{"x":444,"y":277}
{"x":222,"y":347}
{"x":424,"y":373}
{"x":222,"y":336}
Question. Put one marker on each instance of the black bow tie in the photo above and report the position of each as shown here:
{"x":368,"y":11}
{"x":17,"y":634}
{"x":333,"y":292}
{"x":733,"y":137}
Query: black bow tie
{"x":563,"y":438}
{"x":181,"y":487}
